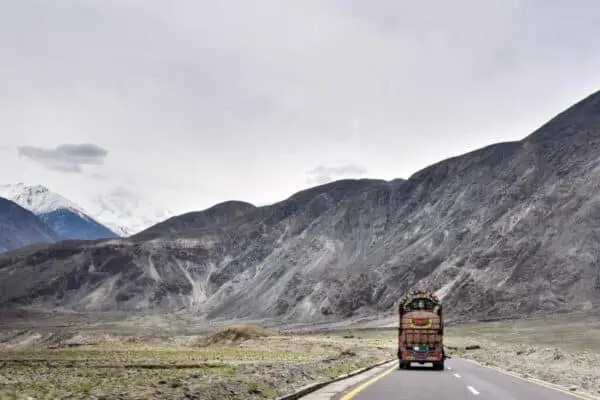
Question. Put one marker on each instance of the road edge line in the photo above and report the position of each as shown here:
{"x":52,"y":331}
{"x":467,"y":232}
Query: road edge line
{"x":535,"y":381}
{"x":313,"y":387}
{"x":366,"y":384}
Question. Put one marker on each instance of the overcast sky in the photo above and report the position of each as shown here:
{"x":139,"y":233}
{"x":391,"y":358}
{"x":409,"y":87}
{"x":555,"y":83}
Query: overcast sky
{"x":196,"y":102}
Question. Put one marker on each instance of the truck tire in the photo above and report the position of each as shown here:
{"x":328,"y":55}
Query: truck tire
{"x":439,"y":366}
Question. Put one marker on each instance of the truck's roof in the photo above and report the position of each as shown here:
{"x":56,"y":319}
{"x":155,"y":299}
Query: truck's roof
{"x":420,"y":294}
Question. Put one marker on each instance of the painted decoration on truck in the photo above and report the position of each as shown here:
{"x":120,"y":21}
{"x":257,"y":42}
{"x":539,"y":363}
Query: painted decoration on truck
{"x":420,"y":299}
{"x":420,"y":322}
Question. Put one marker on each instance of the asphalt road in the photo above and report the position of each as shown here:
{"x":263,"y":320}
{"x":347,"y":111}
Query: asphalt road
{"x":460,"y":380}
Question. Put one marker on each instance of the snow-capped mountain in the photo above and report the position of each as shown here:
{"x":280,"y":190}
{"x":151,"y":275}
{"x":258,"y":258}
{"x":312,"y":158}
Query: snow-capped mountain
{"x":124,"y":212}
{"x":38,"y":199}
{"x":65,"y":217}
{"x":20,"y":227}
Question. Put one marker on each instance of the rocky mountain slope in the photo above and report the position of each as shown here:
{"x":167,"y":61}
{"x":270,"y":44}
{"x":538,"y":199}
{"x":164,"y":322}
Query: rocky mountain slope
{"x":216,"y":216}
{"x":62,"y":215}
{"x":507,"y":230}
{"x":20,"y":227}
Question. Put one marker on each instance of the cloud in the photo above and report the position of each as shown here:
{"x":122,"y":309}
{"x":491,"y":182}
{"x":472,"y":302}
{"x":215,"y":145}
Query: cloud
{"x":324,"y":174}
{"x":66,"y":157}
{"x":100,"y":177}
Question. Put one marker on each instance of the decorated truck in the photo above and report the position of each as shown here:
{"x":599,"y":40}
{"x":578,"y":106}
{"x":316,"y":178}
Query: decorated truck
{"x":421,"y":330}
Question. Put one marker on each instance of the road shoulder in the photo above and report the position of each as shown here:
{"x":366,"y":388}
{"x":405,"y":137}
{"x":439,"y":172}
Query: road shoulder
{"x":337,"y":390}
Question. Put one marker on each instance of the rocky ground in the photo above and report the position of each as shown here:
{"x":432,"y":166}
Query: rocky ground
{"x":111,"y":361}
{"x":154,"y":357}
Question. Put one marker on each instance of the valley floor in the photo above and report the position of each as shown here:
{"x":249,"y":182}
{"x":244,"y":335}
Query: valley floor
{"x":155,"y":357}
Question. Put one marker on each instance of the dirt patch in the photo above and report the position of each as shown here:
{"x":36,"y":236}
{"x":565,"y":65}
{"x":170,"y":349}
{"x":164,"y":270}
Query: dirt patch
{"x":235,"y":334}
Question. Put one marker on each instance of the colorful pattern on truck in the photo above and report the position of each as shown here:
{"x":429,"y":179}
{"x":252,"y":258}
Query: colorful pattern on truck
{"x":421,"y":329}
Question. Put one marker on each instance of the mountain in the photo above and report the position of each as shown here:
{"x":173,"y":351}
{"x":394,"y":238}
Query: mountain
{"x":219,"y":215}
{"x":504,"y":231}
{"x":125,"y":213}
{"x":20,"y":227}
{"x":62,"y":215}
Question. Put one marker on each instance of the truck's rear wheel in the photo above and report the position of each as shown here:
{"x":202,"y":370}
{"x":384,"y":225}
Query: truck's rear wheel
{"x":438,"y":366}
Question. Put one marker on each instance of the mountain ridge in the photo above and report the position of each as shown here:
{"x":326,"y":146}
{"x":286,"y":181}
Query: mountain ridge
{"x":61,"y":214}
{"x":510,"y":229}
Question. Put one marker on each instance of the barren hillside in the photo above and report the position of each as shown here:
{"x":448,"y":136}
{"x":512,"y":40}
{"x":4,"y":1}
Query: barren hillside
{"x":507,"y":230}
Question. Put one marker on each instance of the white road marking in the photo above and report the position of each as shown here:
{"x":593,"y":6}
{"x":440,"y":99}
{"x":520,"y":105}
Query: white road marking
{"x":449,"y":368}
{"x":457,"y":375}
{"x":472,"y":390}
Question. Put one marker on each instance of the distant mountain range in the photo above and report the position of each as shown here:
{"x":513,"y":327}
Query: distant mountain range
{"x":60,"y":214}
{"x":20,"y":227}
{"x":509,"y":230}
{"x":125,"y":212}
{"x":68,"y":220}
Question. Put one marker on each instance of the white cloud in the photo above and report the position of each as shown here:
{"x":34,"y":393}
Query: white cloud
{"x":325,"y":174}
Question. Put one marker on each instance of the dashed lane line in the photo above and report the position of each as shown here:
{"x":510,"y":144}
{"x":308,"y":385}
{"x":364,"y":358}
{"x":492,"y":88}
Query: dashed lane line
{"x":473,"y":390}
{"x":532,"y":380}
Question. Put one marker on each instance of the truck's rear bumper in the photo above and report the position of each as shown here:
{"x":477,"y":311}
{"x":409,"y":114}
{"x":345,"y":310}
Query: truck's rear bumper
{"x":421,"y":357}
